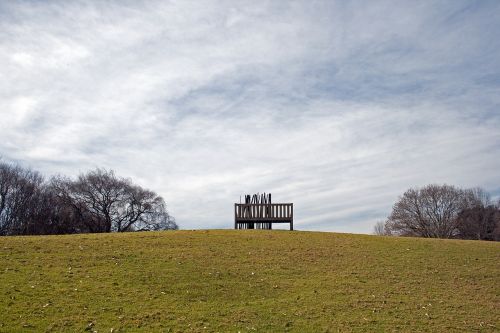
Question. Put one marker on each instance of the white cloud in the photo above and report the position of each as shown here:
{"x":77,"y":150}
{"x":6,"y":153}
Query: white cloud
{"x":20,"y":108}
{"x":23,"y":59}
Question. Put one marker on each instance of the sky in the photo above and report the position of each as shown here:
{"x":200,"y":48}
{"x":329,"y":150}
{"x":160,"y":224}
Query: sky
{"x":336,"y":106}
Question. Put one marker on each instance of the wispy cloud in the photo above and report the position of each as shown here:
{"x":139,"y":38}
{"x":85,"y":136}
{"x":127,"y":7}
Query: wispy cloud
{"x":336,"y":106}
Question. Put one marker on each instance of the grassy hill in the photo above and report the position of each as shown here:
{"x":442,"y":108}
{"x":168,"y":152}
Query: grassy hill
{"x":208,"y":281}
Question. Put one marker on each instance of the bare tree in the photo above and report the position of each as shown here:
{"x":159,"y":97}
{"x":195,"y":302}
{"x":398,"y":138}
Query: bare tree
{"x":479,"y":223}
{"x":20,"y":191}
{"x":480,"y":219}
{"x":380,"y":229}
{"x":158,"y":219}
{"x":100,"y":193}
{"x":428,"y":212}
{"x":97,"y":201}
{"x":114,"y":203}
{"x":69,"y":215}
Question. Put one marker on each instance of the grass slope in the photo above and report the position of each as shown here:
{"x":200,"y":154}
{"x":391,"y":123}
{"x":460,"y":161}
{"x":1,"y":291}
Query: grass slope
{"x":207,"y":281}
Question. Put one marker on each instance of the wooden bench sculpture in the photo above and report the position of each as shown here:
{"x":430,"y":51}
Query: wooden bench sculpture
{"x":259,"y":213}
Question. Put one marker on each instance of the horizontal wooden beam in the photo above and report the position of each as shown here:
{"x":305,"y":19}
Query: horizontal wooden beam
{"x":264,"y":220}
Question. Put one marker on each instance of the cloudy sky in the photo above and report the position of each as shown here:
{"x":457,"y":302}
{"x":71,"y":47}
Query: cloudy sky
{"x":336,"y":106}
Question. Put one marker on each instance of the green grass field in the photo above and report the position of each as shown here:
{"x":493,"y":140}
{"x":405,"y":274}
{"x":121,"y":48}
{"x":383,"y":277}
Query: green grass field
{"x":244,"y":281}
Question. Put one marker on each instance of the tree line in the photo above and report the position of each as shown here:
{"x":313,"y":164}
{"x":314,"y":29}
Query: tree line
{"x":443,"y":211}
{"x":95,"y":201}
